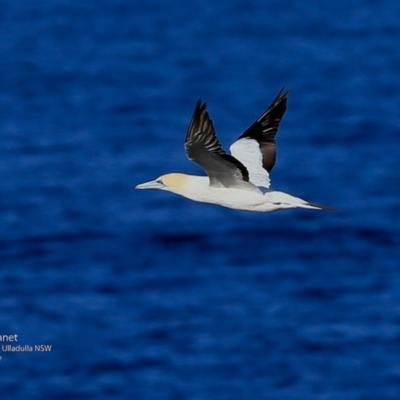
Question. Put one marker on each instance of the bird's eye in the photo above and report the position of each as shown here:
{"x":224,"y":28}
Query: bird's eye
{"x":160,"y":181}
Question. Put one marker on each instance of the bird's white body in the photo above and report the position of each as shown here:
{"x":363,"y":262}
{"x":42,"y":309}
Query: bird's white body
{"x":198,"y":188}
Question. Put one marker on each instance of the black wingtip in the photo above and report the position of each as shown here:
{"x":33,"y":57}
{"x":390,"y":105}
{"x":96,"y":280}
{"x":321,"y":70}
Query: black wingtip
{"x":200,"y":106}
{"x":200,"y":120}
{"x":283,"y":92}
{"x":281,"y":97}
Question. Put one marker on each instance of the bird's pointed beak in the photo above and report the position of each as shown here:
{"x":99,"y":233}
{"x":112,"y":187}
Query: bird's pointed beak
{"x":156,"y":184}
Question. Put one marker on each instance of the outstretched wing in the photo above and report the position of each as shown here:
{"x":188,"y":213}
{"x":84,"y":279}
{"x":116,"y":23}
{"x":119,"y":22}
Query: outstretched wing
{"x":256,"y":146}
{"x":203,"y":147}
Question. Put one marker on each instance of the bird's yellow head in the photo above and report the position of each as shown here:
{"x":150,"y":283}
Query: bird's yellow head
{"x":174,"y":182}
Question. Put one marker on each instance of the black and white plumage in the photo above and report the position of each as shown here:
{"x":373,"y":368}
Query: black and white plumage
{"x":203,"y":147}
{"x":237,"y":180}
{"x":256,"y":146}
{"x":252,"y":156}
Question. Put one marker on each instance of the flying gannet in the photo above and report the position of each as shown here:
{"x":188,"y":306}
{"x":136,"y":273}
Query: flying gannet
{"x":240,"y":180}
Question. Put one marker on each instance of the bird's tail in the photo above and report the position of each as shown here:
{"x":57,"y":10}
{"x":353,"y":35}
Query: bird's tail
{"x":317,"y":207}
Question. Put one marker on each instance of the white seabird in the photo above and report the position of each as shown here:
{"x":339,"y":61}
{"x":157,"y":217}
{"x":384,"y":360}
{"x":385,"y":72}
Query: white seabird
{"x":240,"y":180}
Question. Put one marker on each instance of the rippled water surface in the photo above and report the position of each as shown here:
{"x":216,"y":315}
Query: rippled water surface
{"x":146,"y":295}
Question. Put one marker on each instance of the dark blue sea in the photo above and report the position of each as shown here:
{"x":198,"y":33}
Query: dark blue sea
{"x":146,"y":295}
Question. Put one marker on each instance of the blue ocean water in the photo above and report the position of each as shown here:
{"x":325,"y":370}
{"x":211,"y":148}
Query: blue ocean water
{"x":145,"y":295}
